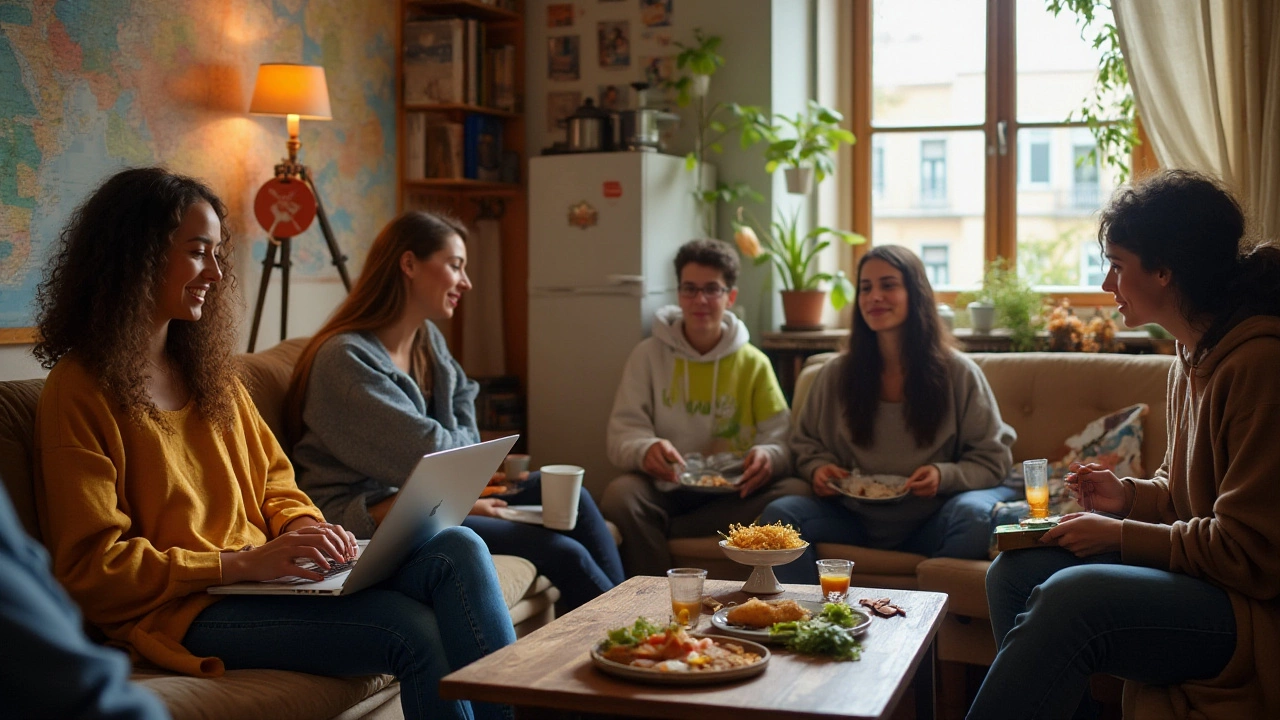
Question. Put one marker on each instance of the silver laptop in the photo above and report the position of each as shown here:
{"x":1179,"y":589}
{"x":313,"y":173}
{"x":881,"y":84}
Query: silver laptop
{"x":438,"y":494}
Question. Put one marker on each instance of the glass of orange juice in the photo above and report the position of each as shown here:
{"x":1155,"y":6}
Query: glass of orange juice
{"x":833,"y":575}
{"x":1035,"y":476}
{"x":686,"y":595}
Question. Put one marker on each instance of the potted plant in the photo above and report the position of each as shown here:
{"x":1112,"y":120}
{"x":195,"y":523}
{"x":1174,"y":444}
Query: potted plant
{"x":1014,"y":305}
{"x":700,"y":62}
{"x":794,"y":253}
{"x":805,"y":145}
{"x":697,"y":63}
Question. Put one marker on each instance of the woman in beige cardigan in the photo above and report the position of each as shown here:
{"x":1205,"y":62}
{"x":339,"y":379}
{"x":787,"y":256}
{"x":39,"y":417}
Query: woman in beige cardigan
{"x":1170,"y":583}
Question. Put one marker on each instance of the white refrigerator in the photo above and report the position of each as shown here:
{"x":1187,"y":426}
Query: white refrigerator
{"x":603,"y":233}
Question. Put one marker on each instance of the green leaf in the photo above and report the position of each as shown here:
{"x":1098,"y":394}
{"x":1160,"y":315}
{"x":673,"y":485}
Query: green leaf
{"x":770,"y":166}
{"x":717,"y":126}
{"x":842,"y":292}
{"x":690,"y":162}
{"x":716,"y":148}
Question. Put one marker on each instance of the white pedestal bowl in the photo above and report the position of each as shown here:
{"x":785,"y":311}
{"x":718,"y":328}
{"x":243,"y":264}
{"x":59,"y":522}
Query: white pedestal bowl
{"x":762,"y":580}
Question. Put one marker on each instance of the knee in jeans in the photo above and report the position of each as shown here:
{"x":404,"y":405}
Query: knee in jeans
{"x":782,"y":509}
{"x":461,"y":544}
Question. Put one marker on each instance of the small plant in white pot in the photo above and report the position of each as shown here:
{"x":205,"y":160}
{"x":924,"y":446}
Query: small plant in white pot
{"x":804,"y":144}
{"x":794,"y":254}
{"x":699,"y":61}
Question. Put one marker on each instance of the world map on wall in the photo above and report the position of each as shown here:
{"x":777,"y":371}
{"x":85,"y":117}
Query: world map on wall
{"x":88,"y":87}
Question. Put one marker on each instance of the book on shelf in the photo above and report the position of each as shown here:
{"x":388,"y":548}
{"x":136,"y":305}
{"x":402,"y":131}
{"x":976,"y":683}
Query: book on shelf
{"x":415,"y":146}
{"x":444,"y":145}
{"x":435,"y":61}
{"x":482,"y":156}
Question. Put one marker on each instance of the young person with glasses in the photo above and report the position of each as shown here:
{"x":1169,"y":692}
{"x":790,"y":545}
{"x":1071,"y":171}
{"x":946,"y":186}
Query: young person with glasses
{"x":696,"y":385}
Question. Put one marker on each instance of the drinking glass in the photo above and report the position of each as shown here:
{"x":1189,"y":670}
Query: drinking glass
{"x":686,"y":594}
{"x":833,"y":575}
{"x":1035,"y":477}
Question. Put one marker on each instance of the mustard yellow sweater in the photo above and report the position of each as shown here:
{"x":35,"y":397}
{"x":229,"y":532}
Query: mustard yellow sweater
{"x":135,"y":516}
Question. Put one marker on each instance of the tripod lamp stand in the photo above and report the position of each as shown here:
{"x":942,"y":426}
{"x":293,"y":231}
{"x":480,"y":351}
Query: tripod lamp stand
{"x":286,"y":204}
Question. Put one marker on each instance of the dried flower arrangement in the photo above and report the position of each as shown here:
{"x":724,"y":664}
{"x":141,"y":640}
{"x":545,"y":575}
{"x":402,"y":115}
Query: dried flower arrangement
{"x":1068,"y":333}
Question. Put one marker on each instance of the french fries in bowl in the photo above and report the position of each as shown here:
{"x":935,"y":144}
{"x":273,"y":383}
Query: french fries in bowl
{"x":762,"y":547}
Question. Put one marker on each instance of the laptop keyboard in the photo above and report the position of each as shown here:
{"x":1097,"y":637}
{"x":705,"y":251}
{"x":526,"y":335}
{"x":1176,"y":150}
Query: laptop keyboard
{"x":334,"y":567}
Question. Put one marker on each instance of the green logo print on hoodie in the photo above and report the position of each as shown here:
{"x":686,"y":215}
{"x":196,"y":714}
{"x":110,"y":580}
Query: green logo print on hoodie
{"x":735,"y":384}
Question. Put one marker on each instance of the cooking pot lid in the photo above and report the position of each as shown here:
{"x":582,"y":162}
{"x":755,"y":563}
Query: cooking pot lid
{"x":588,"y":109}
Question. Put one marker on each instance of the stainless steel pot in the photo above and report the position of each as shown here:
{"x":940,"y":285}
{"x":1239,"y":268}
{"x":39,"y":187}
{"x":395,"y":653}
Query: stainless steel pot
{"x":589,"y":129}
{"x":638,"y":129}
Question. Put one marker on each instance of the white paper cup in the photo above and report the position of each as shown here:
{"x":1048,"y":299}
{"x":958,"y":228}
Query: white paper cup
{"x":561,"y":485}
{"x":515,"y":466}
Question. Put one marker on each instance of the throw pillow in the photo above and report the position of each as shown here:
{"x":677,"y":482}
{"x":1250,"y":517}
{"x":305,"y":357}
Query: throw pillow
{"x":1113,"y":441}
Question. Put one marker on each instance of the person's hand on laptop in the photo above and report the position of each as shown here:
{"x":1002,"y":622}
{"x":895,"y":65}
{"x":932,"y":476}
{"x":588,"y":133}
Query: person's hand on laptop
{"x":660,"y":460}
{"x":487,"y":507}
{"x":322,"y":543}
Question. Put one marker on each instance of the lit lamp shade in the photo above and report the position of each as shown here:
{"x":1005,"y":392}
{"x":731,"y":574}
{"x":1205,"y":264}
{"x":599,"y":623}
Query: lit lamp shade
{"x":289,"y":89}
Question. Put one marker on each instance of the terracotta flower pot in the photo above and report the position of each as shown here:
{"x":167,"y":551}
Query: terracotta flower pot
{"x":802,"y":309}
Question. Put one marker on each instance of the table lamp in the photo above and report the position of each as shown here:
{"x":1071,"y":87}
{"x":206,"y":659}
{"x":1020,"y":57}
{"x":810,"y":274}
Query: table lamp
{"x":287,"y":203}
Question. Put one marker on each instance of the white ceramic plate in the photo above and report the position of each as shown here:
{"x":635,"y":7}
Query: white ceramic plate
{"x":528,"y":514}
{"x":720,"y":621}
{"x":696,"y":677}
{"x":689,"y":481}
{"x":846,"y":487}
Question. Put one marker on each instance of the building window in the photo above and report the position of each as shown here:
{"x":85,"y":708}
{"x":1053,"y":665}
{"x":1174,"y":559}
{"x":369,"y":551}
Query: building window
{"x":1086,"y":188}
{"x":936,"y":265}
{"x":1093,"y":267}
{"x":933,"y":172}
{"x":1033,"y":158}
{"x":877,"y":167}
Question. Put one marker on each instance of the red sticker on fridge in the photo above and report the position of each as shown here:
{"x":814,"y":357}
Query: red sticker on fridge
{"x":612,"y":189}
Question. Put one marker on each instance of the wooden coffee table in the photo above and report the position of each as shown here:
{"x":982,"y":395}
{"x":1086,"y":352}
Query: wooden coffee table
{"x":548,"y":673}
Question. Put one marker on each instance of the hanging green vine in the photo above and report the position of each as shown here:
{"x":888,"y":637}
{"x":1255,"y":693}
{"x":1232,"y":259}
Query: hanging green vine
{"x":1109,"y":110}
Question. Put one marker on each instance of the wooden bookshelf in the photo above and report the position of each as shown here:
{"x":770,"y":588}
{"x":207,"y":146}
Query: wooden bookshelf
{"x":464,"y":198}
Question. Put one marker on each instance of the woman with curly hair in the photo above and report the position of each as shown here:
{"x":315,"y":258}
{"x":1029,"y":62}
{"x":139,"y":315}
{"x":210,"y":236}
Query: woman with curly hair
{"x":158,"y":479}
{"x":1171,"y":583}
{"x":376,"y":389}
{"x":900,"y":402}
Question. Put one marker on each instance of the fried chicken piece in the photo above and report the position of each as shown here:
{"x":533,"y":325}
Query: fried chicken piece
{"x":757,"y":613}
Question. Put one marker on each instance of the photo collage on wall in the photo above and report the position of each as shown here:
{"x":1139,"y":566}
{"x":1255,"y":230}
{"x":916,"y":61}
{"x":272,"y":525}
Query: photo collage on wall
{"x":633,"y":43}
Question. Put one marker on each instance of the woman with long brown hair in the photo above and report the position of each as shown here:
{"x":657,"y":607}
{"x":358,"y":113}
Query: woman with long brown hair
{"x":900,"y":402}
{"x":159,"y":479}
{"x":376,"y":389}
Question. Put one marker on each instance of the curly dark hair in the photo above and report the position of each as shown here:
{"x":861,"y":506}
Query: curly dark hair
{"x":1190,"y":224}
{"x":926,"y":345}
{"x":99,"y":294}
{"x":712,"y":253}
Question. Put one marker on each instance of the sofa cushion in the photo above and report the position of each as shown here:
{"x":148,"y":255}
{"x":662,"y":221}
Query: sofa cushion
{"x":266,"y":375}
{"x":965,"y":581}
{"x":250,"y":694}
{"x":18,"y":400}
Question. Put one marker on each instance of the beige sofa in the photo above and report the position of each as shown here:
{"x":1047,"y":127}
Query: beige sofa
{"x":247,"y":694}
{"x":1046,"y":397}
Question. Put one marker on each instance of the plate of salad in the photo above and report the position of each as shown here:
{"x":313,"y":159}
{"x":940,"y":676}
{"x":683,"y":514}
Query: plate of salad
{"x":670,"y":655}
{"x":833,"y":633}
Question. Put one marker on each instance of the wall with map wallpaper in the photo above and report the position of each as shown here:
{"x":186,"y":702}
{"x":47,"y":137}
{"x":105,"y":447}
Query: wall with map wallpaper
{"x":90,"y":86}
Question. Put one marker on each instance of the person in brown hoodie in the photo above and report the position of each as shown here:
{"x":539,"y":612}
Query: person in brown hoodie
{"x":1169,"y":583}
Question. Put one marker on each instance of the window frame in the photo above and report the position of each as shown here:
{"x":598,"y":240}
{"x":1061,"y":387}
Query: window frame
{"x":1001,"y":168}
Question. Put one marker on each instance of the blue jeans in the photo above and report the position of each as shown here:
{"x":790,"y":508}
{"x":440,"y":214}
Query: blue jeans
{"x":442,"y":610}
{"x":48,"y":668}
{"x":1058,"y":618}
{"x":582,"y":563}
{"x":961,"y":528}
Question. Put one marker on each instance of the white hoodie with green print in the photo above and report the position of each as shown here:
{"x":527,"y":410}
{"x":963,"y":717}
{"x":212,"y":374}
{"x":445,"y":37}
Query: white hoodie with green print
{"x":667,"y":389}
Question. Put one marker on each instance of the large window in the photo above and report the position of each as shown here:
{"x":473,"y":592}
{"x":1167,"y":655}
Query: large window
{"x":979,"y":92}
{"x":936,"y":263}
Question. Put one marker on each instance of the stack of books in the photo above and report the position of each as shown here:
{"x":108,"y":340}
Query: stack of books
{"x":436,"y":147}
{"x":447,"y":61}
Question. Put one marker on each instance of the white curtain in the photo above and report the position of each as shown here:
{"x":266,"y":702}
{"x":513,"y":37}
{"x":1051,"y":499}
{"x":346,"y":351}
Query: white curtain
{"x":1206,"y":79}
{"x":482,"y":344}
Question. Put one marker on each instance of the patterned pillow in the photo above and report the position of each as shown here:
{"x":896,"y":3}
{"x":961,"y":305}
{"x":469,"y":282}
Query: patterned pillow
{"x":1113,"y":441}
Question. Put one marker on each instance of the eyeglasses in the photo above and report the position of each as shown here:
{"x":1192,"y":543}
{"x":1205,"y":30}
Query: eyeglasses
{"x":713,"y":291}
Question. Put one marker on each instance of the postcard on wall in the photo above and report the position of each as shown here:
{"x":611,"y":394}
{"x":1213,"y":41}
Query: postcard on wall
{"x":561,"y":105}
{"x":655,"y":13}
{"x":615,"y":44}
{"x":613,"y":97}
{"x":562,"y":57}
{"x":658,"y":72}
{"x":560,"y":15}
